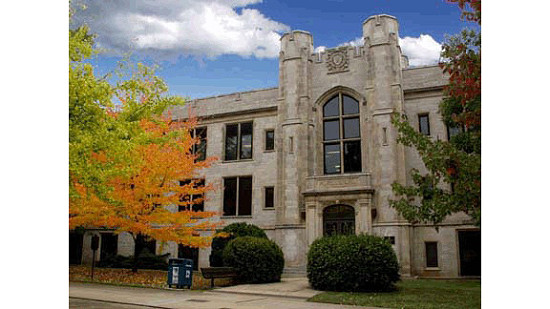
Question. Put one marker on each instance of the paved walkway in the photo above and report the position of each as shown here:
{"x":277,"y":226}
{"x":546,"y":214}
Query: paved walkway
{"x":261,"y":296}
{"x":288,"y":287}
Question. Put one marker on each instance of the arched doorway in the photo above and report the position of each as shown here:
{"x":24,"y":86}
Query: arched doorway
{"x":338,"y":220}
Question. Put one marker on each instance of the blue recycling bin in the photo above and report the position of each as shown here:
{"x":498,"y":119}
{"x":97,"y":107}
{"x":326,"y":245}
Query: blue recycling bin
{"x":180,"y":273}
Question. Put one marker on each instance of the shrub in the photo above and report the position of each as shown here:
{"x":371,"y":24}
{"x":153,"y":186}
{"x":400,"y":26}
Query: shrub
{"x":146,"y":261}
{"x":234,"y":230}
{"x":352,"y":263}
{"x":256,"y":260}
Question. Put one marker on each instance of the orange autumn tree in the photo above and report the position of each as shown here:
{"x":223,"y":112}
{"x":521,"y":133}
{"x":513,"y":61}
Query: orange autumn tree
{"x":145,"y":202}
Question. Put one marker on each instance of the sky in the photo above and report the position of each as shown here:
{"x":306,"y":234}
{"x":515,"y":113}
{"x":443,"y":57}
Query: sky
{"x":211,"y":47}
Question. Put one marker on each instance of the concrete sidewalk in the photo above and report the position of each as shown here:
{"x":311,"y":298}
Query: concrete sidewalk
{"x":288,"y":287}
{"x":214,"y":299}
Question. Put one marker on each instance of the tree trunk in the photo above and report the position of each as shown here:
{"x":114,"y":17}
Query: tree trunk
{"x":139,"y":242}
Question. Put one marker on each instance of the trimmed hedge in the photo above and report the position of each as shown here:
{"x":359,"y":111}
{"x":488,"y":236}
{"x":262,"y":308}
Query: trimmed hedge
{"x":257,"y":260}
{"x":352,"y":263}
{"x":235,"y":230}
{"x":145,"y":261}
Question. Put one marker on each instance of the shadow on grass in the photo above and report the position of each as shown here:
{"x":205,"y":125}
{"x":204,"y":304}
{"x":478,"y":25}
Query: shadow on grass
{"x":420,"y":294}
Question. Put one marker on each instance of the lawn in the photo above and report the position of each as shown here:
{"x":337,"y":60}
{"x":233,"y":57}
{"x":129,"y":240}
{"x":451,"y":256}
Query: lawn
{"x":414,"y":294}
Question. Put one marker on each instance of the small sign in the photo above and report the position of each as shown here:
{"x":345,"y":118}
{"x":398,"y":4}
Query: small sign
{"x":187,"y":274}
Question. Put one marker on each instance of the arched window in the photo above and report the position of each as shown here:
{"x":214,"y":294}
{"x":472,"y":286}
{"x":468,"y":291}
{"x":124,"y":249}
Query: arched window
{"x":341,"y":135}
{"x":338,"y":220}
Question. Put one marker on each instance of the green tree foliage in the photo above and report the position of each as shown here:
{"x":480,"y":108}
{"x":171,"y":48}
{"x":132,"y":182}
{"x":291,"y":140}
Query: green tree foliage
{"x":352,"y":263}
{"x":104,"y":117}
{"x":453,"y":180}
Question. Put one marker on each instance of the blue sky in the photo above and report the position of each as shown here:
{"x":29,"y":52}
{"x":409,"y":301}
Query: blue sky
{"x":211,"y":47}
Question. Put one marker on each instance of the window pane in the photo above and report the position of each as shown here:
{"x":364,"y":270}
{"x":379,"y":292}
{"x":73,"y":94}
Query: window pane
{"x":269,"y":140}
{"x":331,"y":108}
{"x":231,"y":138}
{"x":351,"y":128}
{"x":452,"y":131}
{"x":230,"y":197}
{"x":352,"y":157}
{"x":332,"y":158}
{"x":246,"y":141}
{"x":109,"y":245}
{"x":198,"y":199}
{"x":151,"y":246}
{"x":331,"y":130}
{"x":245,"y":196}
{"x":201,"y":146}
{"x":186,"y":252}
{"x":269,"y":197}
{"x":431,"y":254}
{"x":351,"y":106}
{"x":424,"y":124}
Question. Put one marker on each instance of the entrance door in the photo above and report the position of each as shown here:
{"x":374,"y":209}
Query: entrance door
{"x":338,"y":220}
{"x":470,"y":253}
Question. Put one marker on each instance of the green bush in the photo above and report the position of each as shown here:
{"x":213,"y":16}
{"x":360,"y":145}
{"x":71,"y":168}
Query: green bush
{"x":352,"y":263}
{"x":146,"y":261}
{"x":257,"y":260}
{"x":234,"y":230}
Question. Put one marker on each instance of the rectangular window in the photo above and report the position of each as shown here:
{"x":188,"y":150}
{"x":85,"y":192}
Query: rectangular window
{"x":238,"y":141}
{"x":186,"y":252}
{"x":199,"y":149}
{"x":452,"y":131}
{"x":431,"y":254}
{"x":151,"y":246}
{"x":109,"y":245}
{"x":424,"y":124}
{"x":237,"y":196}
{"x":193,"y":202}
{"x":269,"y":197}
{"x":269,"y":140}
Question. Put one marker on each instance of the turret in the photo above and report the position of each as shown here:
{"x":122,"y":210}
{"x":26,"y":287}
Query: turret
{"x":293,"y":146}
{"x":384,"y":95}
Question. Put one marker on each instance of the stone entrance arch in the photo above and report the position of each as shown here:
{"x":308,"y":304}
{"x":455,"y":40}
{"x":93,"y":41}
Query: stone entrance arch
{"x":338,"y":220}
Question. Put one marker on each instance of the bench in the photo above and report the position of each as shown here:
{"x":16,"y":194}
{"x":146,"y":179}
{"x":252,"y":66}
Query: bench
{"x":218,"y":272}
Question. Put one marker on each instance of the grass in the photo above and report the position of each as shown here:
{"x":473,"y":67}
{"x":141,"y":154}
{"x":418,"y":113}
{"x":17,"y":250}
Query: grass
{"x":417,"y":294}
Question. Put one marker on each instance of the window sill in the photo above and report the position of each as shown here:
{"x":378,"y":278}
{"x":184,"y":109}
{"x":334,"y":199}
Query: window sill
{"x":270,"y":150}
{"x":236,"y":217}
{"x":237,"y":161}
{"x":432,"y":269}
{"x":268,"y":208}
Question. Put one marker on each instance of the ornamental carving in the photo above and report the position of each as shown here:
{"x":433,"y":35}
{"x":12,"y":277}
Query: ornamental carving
{"x":337,"y":60}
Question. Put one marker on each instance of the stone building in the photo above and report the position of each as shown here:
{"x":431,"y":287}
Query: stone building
{"x":317,"y":155}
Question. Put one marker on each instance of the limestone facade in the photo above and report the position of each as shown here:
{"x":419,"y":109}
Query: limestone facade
{"x":376,"y":76}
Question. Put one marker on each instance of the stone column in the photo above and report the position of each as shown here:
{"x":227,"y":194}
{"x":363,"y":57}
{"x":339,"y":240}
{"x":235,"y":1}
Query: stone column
{"x":385,"y":97}
{"x":311,"y":222}
{"x":293,"y":145}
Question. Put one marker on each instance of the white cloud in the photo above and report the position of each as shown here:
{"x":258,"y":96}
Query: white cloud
{"x":169,"y":28}
{"x":423,"y":50}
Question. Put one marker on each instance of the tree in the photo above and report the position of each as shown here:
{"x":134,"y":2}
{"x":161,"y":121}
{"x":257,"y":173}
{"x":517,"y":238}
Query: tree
{"x":453,"y":181}
{"x":142,"y":201}
{"x":93,"y":127}
{"x":125,"y":161}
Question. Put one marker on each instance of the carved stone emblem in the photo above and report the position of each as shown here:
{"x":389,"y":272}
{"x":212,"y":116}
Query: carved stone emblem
{"x":337,"y":60}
